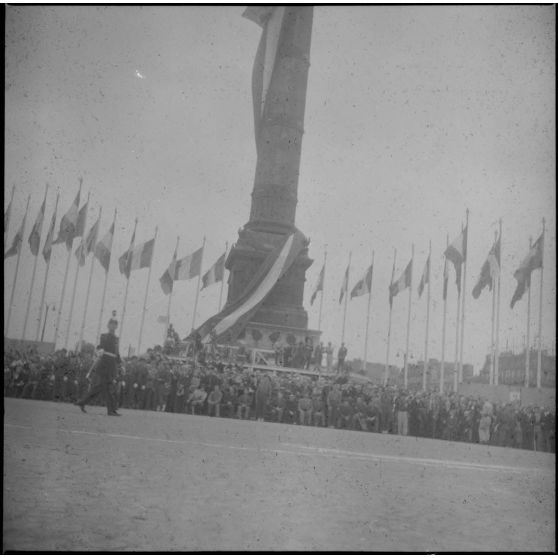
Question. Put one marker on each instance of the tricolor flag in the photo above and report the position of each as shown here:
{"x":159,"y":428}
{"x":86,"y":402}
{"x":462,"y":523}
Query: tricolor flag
{"x":103,"y":248}
{"x":16,"y":243}
{"x":364,"y":285}
{"x":68,"y":224}
{"x":188,"y":267}
{"x":47,"y":248}
{"x":402,"y":283}
{"x":270,"y":18}
{"x":185,"y":268}
{"x":138,"y":257}
{"x":87,"y":245}
{"x":456,"y":253}
{"x":35,"y":236}
{"x":319,"y":285}
{"x":425,"y":277}
{"x":489,"y":271}
{"x":344,"y":286}
{"x":167,"y":279}
{"x":532,"y":261}
{"x":233,"y":318}
{"x":215,"y":273}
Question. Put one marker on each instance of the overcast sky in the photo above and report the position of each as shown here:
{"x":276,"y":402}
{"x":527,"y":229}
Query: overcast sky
{"x":413,"y":114}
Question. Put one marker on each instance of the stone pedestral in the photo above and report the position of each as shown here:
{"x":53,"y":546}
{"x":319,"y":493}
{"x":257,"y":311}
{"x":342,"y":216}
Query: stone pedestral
{"x":284,"y":304}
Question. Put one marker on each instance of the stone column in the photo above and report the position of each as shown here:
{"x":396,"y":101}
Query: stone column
{"x":279,"y":84}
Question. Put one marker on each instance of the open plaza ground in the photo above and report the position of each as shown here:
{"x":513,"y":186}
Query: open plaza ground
{"x":151,"y":481}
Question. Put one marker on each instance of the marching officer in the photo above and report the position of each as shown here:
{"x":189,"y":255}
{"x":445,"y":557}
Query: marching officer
{"x":105,"y":369}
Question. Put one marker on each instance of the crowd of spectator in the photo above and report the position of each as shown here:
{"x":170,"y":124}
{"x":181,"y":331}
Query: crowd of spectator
{"x":211,"y":386}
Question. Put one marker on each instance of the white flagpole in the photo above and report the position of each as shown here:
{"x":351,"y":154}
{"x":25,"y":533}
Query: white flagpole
{"x":444,"y":322}
{"x":457,"y":322}
{"x":58,"y":316}
{"x":223,"y":279}
{"x":78,"y":269}
{"x":82,"y":328}
{"x":166,"y":326}
{"x":8,"y":217}
{"x":322,"y":293}
{"x":128,"y":278}
{"x":492,"y":375}
{"x":34,"y":270}
{"x":198,"y":287}
{"x":368,"y":316}
{"x":45,"y":281}
{"x":98,"y":336}
{"x":17,"y":266}
{"x":427,"y":321}
{"x":406,"y":368}
{"x":463,"y":298}
{"x":146,"y":289}
{"x":346,"y":297}
{"x":527,"y":363}
{"x":497,"y":351}
{"x":62,"y":295}
{"x":386,"y":371}
{"x":539,"y":355}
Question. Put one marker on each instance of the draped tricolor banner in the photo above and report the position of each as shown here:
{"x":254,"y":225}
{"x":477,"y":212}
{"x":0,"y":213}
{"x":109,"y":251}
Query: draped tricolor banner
{"x":270,"y":18}
{"x":233,"y":318}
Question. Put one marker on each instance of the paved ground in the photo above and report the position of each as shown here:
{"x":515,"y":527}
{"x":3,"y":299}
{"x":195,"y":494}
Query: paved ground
{"x":163,"y":482}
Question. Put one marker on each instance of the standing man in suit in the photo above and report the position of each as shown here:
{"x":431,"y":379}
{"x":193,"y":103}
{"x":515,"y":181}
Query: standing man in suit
{"x":105,"y":369}
{"x":341,"y":356}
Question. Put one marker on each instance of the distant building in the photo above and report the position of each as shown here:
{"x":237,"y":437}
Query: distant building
{"x":375,"y":372}
{"x":511,"y":369}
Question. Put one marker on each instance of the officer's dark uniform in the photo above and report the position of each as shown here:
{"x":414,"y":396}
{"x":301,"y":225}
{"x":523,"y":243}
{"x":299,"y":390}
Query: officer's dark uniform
{"x":105,"y":372}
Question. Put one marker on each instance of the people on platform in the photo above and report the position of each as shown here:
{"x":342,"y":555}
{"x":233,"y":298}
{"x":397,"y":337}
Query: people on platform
{"x":318,"y":356}
{"x":329,"y":357}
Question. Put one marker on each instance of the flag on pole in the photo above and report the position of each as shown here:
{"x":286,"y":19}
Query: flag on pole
{"x":167,"y":279}
{"x":489,"y":271}
{"x":402,"y":283}
{"x":425,"y":277}
{"x":68,"y":224}
{"x":319,"y":285}
{"x":103,"y":248}
{"x":364,"y":285}
{"x":344,"y":286}
{"x":215,"y":273}
{"x":16,"y":243}
{"x":47,"y":248}
{"x":188,"y":267}
{"x":35,"y":236}
{"x":123,"y":261}
{"x":445,"y":293}
{"x":456,"y":253}
{"x":532,"y":261}
{"x":82,"y":218}
{"x":162,"y":319}
{"x":138,"y":257}
{"x":185,"y":268}
{"x":87,"y":245}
